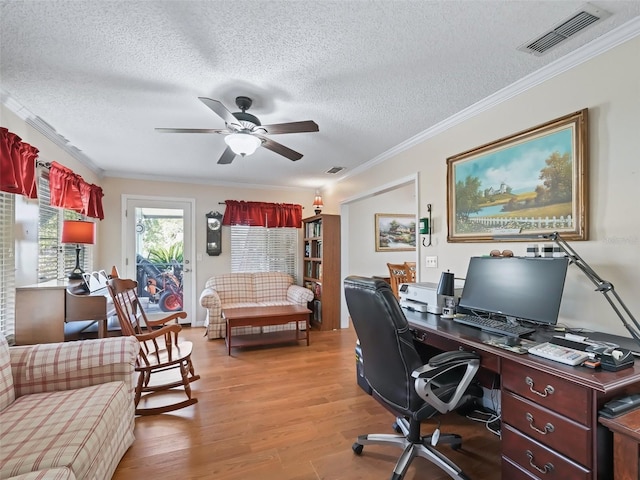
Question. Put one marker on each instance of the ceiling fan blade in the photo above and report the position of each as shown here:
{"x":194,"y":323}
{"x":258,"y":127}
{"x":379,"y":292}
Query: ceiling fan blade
{"x":279,"y":148}
{"x":292,"y":127}
{"x":191,"y":130}
{"x":220,"y":110}
{"x":227,"y":156}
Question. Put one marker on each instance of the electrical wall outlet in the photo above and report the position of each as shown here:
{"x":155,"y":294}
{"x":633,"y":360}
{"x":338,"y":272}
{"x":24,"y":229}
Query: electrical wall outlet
{"x":431,"y":262}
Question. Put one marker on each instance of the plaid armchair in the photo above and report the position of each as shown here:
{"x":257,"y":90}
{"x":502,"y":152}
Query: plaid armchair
{"x":66,"y":409}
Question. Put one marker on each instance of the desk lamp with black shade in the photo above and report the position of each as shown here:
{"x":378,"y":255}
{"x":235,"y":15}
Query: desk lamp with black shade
{"x":78,"y":232}
{"x":446,"y":288}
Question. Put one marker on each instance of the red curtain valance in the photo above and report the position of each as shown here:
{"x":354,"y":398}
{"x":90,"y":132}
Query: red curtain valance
{"x":17,"y":165}
{"x":69,"y":190}
{"x":262,"y":214}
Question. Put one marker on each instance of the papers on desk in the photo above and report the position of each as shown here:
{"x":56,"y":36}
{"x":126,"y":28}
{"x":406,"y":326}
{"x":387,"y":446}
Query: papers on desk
{"x":521,"y":347}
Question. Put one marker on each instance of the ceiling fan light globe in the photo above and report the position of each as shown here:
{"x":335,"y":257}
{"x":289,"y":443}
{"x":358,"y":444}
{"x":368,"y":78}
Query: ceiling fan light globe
{"x":242,"y":143}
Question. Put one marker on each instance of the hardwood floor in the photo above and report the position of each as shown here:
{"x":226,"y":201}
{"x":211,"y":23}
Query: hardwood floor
{"x":287,"y":413}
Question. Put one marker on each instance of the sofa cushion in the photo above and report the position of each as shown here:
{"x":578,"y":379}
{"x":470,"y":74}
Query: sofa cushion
{"x":234,"y":287}
{"x":271,"y":287}
{"x":70,"y":428}
{"x":7,"y":392}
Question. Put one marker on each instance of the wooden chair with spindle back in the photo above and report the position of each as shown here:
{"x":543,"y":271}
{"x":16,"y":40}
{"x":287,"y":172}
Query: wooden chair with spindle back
{"x":410,"y":267}
{"x":397,"y":275}
{"x":160,"y":350}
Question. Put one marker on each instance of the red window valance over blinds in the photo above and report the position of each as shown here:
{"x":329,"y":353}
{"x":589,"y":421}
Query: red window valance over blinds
{"x":68,"y":190}
{"x":262,"y":214}
{"x":17,"y":165}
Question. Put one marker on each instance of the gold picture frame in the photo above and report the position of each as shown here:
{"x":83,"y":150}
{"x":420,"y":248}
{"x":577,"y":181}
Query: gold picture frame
{"x":530,"y":183}
{"x":395,"y":232}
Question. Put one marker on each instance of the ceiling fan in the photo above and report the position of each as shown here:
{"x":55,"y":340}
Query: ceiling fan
{"x":244,"y":132}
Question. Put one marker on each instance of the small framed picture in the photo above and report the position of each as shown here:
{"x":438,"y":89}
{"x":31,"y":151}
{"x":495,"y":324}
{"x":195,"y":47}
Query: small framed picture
{"x":395,"y":232}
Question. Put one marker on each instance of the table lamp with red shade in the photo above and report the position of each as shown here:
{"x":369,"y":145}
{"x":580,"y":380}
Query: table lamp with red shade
{"x":78,"y":231}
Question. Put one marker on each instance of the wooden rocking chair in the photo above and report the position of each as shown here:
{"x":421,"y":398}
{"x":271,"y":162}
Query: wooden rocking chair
{"x":160,"y":350}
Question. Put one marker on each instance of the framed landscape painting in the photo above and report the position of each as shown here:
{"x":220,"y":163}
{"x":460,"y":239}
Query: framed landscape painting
{"x":527,"y":184}
{"x":395,"y":232}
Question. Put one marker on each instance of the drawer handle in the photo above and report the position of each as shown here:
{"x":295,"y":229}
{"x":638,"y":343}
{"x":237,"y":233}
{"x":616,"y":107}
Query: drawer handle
{"x":547,"y":390}
{"x":548,"y":428}
{"x":420,"y":336}
{"x":548,"y":467}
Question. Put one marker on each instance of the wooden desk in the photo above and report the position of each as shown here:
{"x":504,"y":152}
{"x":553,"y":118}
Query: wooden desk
{"x":626,"y":444}
{"x":44,"y":309}
{"x":550,"y":426}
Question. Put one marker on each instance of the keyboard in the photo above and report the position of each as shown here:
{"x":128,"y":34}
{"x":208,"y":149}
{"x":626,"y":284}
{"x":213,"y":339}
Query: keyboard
{"x":558,"y":353}
{"x":494,"y":326}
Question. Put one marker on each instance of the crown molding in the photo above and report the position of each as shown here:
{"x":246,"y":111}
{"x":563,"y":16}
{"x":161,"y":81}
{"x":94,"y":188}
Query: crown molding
{"x":583,"y":54}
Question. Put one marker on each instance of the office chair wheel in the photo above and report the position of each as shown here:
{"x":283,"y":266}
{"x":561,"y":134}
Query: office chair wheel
{"x":357,"y":448}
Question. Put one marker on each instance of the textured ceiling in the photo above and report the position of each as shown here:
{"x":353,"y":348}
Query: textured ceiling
{"x":372,"y":74}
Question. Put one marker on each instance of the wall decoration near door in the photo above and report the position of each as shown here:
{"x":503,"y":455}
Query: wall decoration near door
{"x":395,"y":232}
{"x":214,"y":233}
{"x":530,"y":183}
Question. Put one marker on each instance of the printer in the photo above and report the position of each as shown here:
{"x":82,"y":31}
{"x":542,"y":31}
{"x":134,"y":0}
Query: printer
{"x":423,"y":297}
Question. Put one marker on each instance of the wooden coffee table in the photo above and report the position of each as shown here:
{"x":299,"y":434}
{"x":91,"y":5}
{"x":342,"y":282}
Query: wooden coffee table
{"x":262,"y":317}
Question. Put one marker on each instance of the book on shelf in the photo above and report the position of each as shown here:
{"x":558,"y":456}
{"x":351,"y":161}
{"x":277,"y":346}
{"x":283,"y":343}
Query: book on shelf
{"x":317,"y":311}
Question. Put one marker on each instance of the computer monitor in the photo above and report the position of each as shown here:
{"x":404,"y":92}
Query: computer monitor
{"x":521,"y":287}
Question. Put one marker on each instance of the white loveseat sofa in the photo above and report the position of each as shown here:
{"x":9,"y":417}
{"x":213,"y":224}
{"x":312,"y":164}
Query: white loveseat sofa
{"x":66,"y":409}
{"x":233,"y":290}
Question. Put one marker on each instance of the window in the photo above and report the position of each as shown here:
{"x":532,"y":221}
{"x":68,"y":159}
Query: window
{"x":261,"y":249}
{"x":7,"y":263}
{"x":55,"y":259}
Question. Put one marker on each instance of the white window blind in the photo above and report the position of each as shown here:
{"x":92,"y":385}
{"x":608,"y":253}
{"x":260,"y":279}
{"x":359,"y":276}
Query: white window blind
{"x":261,"y":249}
{"x":55,"y":259}
{"x":7,"y":264}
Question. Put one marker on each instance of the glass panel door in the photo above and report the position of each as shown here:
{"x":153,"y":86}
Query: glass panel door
{"x":158,"y":254}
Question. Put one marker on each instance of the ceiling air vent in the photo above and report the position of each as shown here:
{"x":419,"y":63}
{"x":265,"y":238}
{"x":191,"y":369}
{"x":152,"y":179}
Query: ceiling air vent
{"x":334,"y":170}
{"x":586,"y":16}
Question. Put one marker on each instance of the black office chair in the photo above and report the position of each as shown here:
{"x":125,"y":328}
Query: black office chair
{"x":402,"y":382}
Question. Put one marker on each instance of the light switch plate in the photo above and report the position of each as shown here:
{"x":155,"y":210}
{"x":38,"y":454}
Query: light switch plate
{"x":431,"y":262}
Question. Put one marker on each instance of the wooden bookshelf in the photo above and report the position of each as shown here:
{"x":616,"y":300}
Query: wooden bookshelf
{"x":321,"y":269}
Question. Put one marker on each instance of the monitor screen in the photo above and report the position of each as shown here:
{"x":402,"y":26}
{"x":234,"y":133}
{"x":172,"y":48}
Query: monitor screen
{"x":523,"y":288}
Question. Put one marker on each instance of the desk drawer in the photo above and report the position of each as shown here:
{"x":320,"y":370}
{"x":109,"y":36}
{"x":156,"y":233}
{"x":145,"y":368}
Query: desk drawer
{"x":548,"y":390}
{"x":511,"y":471}
{"x":558,"y":432}
{"x":487,"y":361}
{"x":538,"y":460}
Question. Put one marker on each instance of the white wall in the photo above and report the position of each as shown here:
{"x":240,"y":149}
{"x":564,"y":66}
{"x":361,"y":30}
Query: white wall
{"x":609,"y":86}
{"x":361,"y":250}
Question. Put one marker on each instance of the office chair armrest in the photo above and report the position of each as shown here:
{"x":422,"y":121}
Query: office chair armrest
{"x":456,"y":355}
{"x":445,"y":370}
